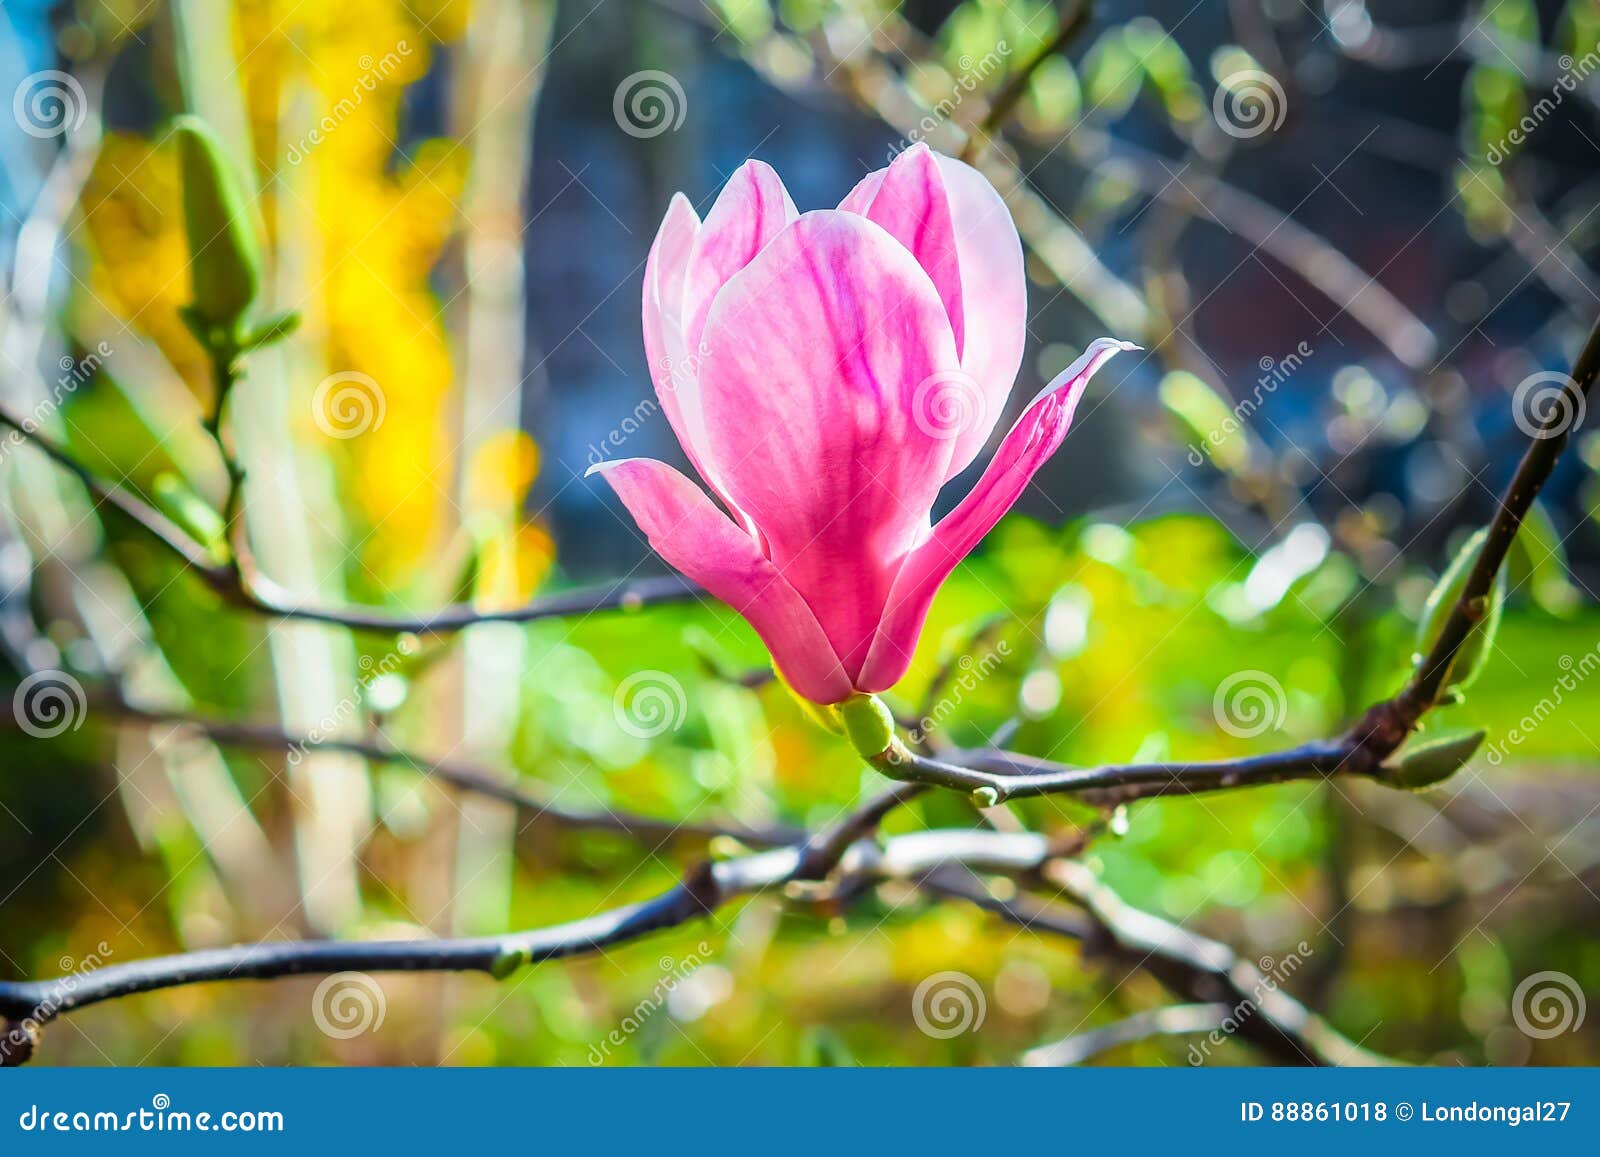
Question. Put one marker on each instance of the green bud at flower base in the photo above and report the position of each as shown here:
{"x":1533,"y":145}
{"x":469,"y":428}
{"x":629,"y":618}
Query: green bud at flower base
{"x":224,"y":255}
{"x":868,"y":723}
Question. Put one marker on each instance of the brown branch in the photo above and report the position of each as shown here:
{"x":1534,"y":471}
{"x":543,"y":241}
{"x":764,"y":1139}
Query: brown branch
{"x":1175,"y":1020}
{"x":241,"y":587}
{"x":460,"y":774}
{"x":1192,"y":967}
{"x":33,"y":1004}
{"x":1074,"y":17}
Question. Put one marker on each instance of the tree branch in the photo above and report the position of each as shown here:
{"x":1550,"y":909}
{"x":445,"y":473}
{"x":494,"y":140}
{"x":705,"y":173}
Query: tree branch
{"x":702,"y":891}
{"x":241,"y":587}
{"x":1538,"y":461}
{"x":1074,"y":17}
{"x":460,"y":774}
{"x":1191,"y":966}
{"x":1175,"y":1020}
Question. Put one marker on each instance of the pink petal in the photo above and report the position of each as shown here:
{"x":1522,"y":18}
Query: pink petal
{"x":994,"y":296}
{"x":815,"y":354}
{"x":751,"y":210}
{"x":685,"y":528}
{"x":1030,"y":443}
{"x":859,"y":199}
{"x":671,"y":369}
{"x":674,"y":368}
{"x":909,"y":201}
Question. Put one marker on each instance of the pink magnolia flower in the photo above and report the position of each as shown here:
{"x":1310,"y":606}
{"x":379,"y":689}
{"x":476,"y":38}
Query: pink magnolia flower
{"x":827,"y":374}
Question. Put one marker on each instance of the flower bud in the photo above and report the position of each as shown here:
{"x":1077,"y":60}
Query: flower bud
{"x":224,"y":256}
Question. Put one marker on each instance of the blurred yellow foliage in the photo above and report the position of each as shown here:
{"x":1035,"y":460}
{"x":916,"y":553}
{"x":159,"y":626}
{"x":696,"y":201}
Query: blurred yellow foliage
{"x":363,"y":226}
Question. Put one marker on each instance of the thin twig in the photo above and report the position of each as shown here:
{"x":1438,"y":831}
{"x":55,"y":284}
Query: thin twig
{"x":1175,"y":1020}
{"x":257,"y":593}
{"x":702,"y":891}
{"x":1538,"y":461}
{"x":1007,"y":775}
{"x":1191,"y":966}
{"x":460,"y":774}
{"x":1074,"y":17}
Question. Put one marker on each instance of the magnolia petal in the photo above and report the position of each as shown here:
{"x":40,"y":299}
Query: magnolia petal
{"x":751,"y":210}
{"x":814,"y":357}
{"x":859,"y":199}
{"x":1035,"y":437}
{"x":994,"y":297}
{"x":910,"y":202}
{"x":685,"y":528}
{"x":671,"y":370}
